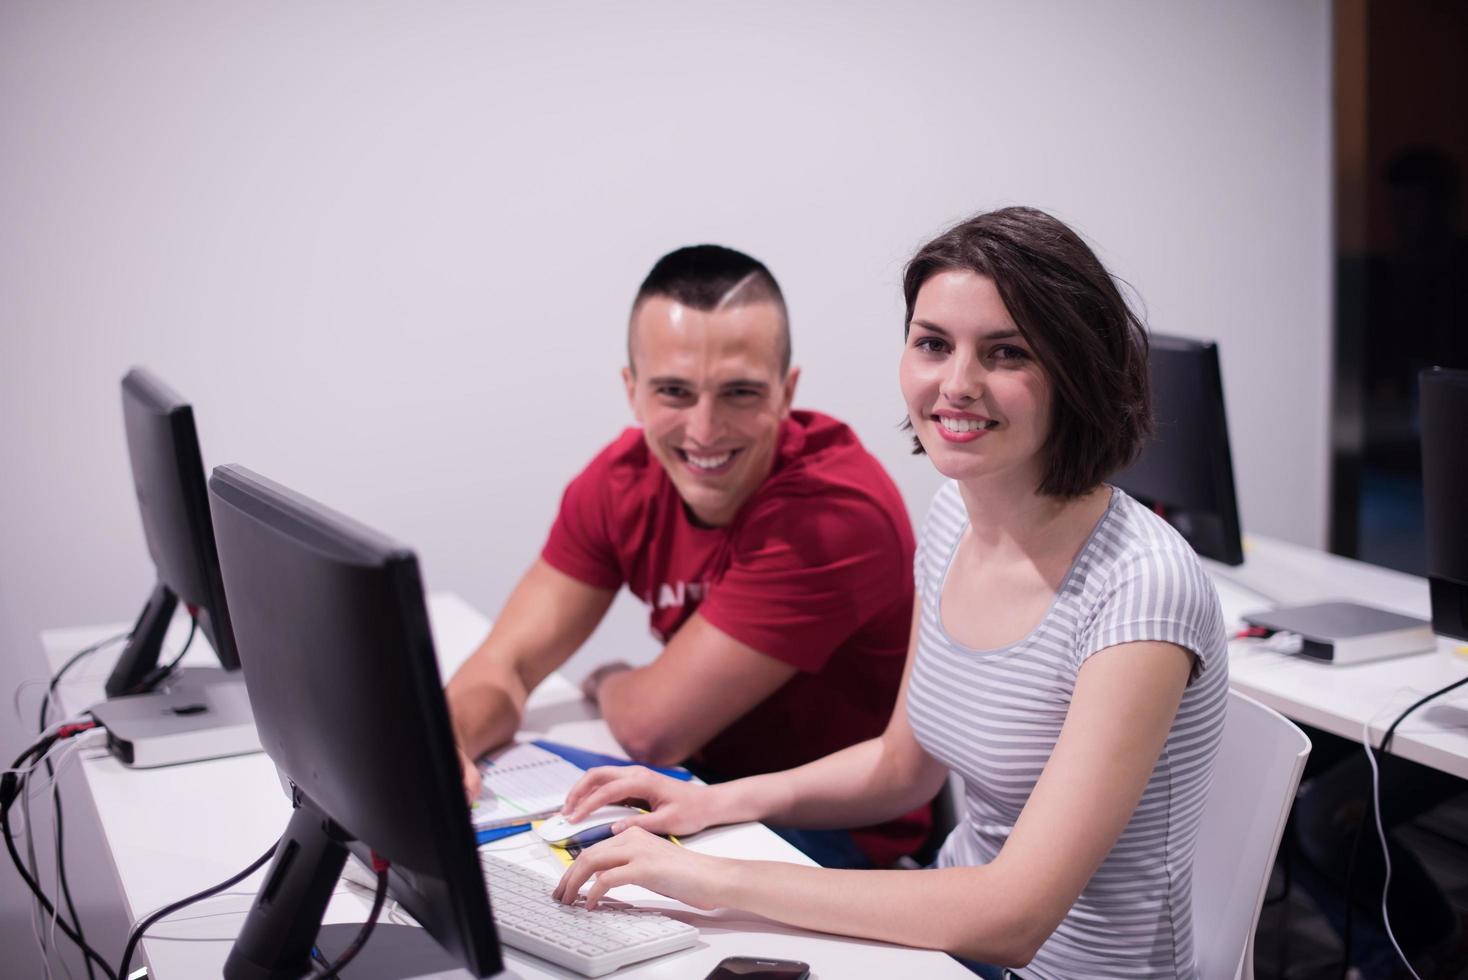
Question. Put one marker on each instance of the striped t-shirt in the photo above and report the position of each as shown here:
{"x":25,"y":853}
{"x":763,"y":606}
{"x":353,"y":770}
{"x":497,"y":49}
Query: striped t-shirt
{"x":993,"y":717}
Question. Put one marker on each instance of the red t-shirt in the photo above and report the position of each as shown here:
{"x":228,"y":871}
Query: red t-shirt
{"x":815,"y":570}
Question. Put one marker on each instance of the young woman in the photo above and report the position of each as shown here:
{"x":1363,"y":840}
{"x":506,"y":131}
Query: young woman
{"x":1068,"y":657}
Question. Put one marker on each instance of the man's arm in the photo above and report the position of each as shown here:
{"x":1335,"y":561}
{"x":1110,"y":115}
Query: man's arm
{"x":701,"y":683}
{"x":860,"y":785}
{"x":548,"y":616}
{"x":802,"y":579}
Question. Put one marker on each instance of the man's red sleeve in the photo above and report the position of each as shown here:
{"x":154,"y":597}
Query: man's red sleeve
{"x":806,"y":575}
{"x":580,"y":543}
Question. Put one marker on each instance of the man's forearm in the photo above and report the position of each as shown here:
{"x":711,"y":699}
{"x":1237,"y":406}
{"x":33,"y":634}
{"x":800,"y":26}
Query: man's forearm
{"x":546,"y":618}
{"x":486,"y":712}
{"x":624,"y":699}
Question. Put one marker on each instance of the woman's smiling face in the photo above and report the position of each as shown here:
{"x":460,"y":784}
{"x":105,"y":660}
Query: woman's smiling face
{"x":977,"y":397}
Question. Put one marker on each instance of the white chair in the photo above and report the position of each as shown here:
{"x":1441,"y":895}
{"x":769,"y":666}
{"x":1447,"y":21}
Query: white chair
{"x":1254,"y":783}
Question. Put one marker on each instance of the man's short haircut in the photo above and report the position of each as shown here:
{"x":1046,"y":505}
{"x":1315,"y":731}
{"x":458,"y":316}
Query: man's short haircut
{"x":707,"y":277}
{"x":1091,"y":345}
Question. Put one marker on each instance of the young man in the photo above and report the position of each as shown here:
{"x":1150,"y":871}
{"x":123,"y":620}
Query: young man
{"x":773,"y":552}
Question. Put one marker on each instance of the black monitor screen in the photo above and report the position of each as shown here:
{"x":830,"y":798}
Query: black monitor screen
{"x":168,"y":479}
{"x":1186,"y":472}
{"x":1444,"y":410}
{"x":342,"y":676}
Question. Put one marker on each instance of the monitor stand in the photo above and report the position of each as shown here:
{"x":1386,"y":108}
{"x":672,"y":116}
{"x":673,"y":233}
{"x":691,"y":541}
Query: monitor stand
{"x":393,"y":952}
{"x":198,"y":713}
{"x":285,"y":920}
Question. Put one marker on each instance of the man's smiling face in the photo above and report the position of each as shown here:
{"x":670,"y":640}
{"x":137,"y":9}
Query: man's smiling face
{"x":708,"y":388}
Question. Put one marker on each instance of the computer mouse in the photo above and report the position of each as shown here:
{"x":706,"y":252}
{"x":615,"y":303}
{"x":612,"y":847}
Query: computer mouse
{"x":595,"y":826}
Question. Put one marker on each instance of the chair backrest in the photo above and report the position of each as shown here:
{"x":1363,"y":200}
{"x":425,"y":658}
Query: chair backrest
{"x":1254,"y":782}
{"x":947,"y":811}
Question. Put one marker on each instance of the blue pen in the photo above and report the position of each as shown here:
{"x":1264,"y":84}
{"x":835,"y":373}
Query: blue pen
{"x":482,"y":837}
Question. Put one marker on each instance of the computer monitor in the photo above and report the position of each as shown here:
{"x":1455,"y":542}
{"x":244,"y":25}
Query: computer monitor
{"x":340,"y":666}
{"x":1186,"y":472}
{"x":1444,"y":414}
{"x":168,"y":476}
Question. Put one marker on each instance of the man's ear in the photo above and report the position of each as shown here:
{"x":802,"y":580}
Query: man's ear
{"x":788,"y":395}
{"x":630,"y":381}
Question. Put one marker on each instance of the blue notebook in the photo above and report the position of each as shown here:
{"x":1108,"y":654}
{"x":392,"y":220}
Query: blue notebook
{"x":587,"y":759}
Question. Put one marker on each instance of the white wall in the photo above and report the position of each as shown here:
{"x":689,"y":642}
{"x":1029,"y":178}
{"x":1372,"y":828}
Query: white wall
{"x":387,"y":250}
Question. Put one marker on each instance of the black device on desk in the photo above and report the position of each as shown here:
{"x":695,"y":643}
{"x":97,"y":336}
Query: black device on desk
{"x":1186,"y":472}
{"x":162,"y":715}
{"x":759,"y":968}
{"x":342,"y":674}
{"x":1444,"y":413}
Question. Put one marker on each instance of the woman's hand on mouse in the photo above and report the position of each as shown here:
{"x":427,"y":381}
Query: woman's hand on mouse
{"x":640,"y":858}
{"x":677,"y":807}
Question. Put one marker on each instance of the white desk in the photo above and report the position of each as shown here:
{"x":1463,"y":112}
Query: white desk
{"x":1340,"y":699}
{"x":177,"y":830}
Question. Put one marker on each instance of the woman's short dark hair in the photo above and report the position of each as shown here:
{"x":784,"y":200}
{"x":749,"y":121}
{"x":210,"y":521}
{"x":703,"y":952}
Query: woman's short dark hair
{"x":1091,"y":345}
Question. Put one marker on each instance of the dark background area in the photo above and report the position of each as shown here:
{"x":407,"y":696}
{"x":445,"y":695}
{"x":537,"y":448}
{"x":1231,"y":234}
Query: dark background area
{"x":1401,"y":152}
{"x":1401,"y":78}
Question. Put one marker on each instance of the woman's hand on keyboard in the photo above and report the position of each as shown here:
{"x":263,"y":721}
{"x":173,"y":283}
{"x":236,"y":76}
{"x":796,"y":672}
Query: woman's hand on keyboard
{"x":640,"y":858}
{"x":677,"y":807}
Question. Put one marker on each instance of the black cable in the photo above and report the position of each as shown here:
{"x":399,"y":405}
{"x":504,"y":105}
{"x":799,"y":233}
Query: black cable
{"x":61,"y":923}
{"x":158,"y":675}
{"x":12,"y":782}
{"x":56,"y":796}
{"x":1384,"y":749}
{"x":76,"y":920}
{"x":188,"y":642}
{"x":50,"y":772}
{"x":75,"y":659}
{"x":151,"y":680}
{"x":360,"y":940}
{"x":1386,"y":740}
{"x":11,"y":785}
{"x":136,"y":936}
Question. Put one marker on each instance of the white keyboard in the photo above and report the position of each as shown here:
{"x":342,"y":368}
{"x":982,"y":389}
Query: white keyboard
{"x":590,"y":941}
